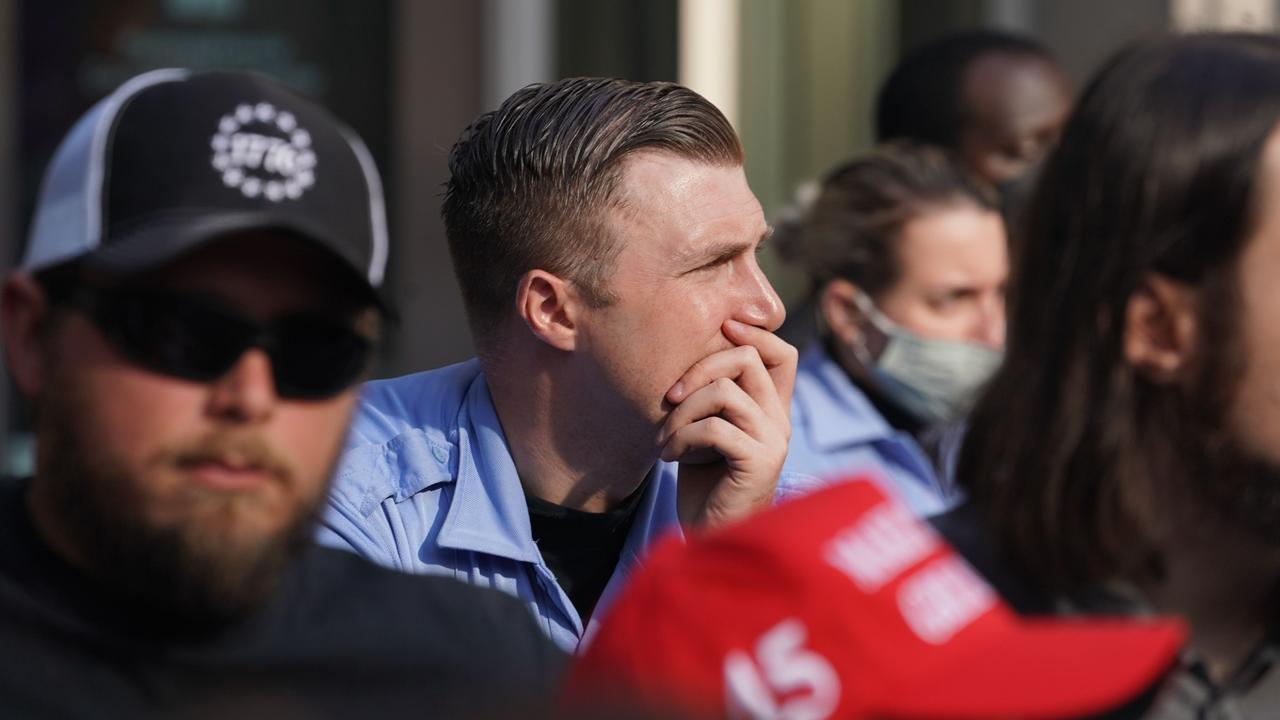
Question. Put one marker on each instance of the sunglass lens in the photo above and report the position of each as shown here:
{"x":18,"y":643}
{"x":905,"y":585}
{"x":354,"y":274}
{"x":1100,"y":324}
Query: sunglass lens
{"x":316,"y":358}
{"x":175,"y":336}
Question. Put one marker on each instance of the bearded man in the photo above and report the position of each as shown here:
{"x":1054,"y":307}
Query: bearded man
{"x":199,"y":299}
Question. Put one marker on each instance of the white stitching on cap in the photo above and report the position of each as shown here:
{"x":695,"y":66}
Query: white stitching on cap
{"x":943,"y":598}
{"x":883,"y":544}
{"x":237,"y":154}
{"x":377,"y":209}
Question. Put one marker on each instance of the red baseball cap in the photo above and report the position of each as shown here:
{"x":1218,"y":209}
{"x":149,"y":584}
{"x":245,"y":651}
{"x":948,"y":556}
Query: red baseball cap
{"x":842,"y":604}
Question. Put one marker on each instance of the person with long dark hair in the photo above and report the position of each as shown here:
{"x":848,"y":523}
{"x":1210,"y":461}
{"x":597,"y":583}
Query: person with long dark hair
{"x":1127,"y":454}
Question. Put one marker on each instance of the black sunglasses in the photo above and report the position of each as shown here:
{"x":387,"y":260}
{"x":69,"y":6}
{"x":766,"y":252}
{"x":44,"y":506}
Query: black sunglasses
{"x":313,"y":355}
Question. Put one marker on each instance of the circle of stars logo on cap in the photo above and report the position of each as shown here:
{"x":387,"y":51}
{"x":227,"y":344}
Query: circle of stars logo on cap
{"x":260,"y":151}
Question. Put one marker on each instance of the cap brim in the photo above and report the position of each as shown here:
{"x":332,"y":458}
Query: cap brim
{"x":1060,"y":668}
{"x":160,"y":241}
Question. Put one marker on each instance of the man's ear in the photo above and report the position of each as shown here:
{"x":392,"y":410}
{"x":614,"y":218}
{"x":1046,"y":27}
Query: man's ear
{"x":549,"y":307}
{"x":1161,"y":328}
{"x":837,"y":302}
{"x":24,"y":311}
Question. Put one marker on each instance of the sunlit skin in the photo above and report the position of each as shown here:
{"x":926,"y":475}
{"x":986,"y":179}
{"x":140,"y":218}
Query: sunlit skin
{"x":1017,"y":105}
{"x":953,"y":263}
{"x":230,"y":457}
{"x":690,"y":233}
{"x":692,"y":299}
{"x":1256,"y":411}
{"x":682,"y":364}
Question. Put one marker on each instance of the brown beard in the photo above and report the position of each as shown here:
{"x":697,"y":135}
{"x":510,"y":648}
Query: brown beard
{"x":202,"y":569}
{"x":1243,"y":487}
{"x":1237,"y":484}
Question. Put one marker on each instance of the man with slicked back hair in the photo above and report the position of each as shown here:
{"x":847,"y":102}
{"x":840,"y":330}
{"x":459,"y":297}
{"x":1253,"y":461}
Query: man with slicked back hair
{"x":628,"y":380}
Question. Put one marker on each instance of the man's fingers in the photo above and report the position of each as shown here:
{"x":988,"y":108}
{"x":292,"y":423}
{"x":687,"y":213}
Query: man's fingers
{"x":779,"y":356}
{"x":774,"y":351}
{"x":735,"y":403}
{"x":742,"y":365}
{"x":726,"y":363}
{"x":713,"y":433}
{"x":723,"y":397}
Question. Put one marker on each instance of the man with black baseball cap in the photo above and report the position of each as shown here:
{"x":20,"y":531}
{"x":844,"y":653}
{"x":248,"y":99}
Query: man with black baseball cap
{"x":199,"y":297}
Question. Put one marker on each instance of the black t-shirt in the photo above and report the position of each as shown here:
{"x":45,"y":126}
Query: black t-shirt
{"x":339,"y":638}
{"x":582,"y":548}
{"x":962,"y":527}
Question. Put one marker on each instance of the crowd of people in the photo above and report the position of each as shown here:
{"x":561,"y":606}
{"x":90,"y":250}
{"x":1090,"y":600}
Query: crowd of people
{"x":638,"y":500}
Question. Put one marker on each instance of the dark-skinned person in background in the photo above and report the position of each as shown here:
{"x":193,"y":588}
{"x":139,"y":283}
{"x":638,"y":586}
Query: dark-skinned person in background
{"x":1126,"y":456}
{"x":908,"y":258}
{"x":199,"y":299}
{"x":994,"y":100}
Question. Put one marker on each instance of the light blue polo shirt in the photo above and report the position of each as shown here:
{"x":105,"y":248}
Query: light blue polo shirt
{"x":836,"y":431}
{"x":426,"y":484}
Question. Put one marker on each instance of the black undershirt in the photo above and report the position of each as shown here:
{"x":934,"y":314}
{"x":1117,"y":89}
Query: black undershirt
{"x":582,"y":548}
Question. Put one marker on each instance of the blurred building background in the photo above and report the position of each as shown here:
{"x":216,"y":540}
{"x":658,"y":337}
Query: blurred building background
{"x":797,"y":77}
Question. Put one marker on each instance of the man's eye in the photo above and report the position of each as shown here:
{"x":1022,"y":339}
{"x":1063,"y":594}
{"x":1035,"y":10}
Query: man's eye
{"x":717,"y":263}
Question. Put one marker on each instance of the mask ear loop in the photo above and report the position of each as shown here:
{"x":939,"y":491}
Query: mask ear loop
{"x":861,"y":352}
{"x":866,"y":306}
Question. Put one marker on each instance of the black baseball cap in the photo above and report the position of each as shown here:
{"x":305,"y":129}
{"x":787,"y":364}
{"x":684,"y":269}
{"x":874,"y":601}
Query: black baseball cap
{"x":174,"y":159}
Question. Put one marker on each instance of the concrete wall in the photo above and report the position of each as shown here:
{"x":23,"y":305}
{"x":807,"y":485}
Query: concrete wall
{"x":439,"y":70}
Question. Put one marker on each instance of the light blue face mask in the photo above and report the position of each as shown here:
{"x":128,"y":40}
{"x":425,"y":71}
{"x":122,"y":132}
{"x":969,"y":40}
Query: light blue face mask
{"x":936,"y":380}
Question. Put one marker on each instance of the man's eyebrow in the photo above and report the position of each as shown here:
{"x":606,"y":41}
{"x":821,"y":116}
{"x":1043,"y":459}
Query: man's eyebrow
{"x":764,"y":236}
{"x":725,"y":251}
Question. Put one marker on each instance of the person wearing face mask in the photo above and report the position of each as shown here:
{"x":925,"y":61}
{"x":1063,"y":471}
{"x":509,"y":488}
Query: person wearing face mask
{"x":908,"y":256}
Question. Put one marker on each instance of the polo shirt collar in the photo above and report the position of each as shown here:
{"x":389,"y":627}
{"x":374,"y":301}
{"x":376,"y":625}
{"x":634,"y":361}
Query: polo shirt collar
{"x":655,"y":516}
{"x":488,"y":512}
{"x":837,"y":413}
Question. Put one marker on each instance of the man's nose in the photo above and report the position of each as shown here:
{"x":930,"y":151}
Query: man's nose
{"x":761,"y":305}
{"x":246,"y":392}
